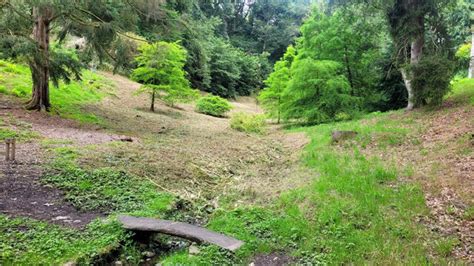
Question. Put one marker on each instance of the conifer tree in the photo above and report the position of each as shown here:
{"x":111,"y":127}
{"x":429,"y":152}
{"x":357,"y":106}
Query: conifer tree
{"x":28,"y":27}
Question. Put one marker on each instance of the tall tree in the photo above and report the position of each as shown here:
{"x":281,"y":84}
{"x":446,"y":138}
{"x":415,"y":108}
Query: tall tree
{"x":271,"y":97}
{"x":407,"y":22}
{"x":27,"y":28}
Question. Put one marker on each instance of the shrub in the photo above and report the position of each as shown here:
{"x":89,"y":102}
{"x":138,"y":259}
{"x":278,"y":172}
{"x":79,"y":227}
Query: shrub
{"x":213,"y":105}
{"x":248,"y":123}
{"x":431,"y":80}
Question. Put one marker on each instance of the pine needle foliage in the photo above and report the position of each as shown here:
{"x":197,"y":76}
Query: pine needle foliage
{"x":160,"y":70}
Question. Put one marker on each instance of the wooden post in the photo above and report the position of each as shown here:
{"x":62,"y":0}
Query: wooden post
{"x":7,"y":153}
{"x":13,"y":149}
{"x":10,"y":145}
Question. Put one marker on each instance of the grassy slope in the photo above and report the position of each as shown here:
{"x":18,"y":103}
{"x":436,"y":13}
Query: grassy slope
{"x":358,"y":210}
{"x":68,"y":99}
{"x":355,"y":211}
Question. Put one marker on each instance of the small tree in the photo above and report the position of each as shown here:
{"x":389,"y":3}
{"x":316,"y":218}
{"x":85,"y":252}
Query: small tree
{"x":160,"y":70}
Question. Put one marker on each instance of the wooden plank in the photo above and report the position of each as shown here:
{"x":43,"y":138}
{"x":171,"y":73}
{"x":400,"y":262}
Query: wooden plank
{"x":184,"y":230}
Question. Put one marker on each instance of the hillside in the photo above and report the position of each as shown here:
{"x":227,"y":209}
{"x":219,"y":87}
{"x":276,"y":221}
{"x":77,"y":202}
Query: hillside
{"x":400,"y":192}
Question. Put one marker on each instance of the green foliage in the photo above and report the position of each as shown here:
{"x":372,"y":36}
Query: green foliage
{"x":317,"y":92}
{"x":463,"y":91}
{"x":25,"y":241}
{"x":213,"y":105}
{"x":160,"y":70}
{"x":70,"y":99}
{"x":464,"y":52}
{"x":431,"y":80}
{"x":234,"y":72}
{"x":248,"y":123}
{"x":271,"y":96}
{"x":463,"y":56}
{"x":104,"y":189}
{"x":355,"y":43}
{"x":259,"y":27}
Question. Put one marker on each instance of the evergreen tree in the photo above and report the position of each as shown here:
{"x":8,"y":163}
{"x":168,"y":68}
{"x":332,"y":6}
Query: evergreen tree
{"x":160,"y":70}
{"x":271,"y":96}
{"x":28,"y":27}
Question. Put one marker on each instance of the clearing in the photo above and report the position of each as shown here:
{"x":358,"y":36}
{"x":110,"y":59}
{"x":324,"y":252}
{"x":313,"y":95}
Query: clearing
{"x":400,"y":192}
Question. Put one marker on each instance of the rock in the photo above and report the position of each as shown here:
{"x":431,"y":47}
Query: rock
{"x":126,"y":139}
{"x":193,"y":250}
{"x":149,"y":254}
{"x":338,"y":135}
{"x":118,"y":263}
{"x":252,"y":264}
{"x":61,"y":218}
{"x":70,"y":263}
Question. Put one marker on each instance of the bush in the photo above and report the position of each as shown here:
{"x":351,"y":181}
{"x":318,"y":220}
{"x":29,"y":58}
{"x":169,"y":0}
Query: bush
{"x":213,"y":105}
{"x":248,"y":123}
{"x":431,"y":80}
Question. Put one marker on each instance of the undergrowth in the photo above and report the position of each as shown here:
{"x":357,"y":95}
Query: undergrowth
{"x":68,"y":100}
{"x":19,"y":130}
{"x":26,"y":241}
{"x":248,"y":123}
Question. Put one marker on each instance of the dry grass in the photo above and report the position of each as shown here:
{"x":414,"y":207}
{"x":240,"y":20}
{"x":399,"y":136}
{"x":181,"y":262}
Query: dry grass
{"x":195,"y":156}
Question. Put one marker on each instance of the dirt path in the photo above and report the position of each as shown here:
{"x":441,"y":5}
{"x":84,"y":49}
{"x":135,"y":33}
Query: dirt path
{"x":22,"y":194}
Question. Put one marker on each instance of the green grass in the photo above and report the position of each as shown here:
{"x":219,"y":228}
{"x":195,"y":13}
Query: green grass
{"x":354,"y":212}
{"x":26,"y":241}
{"x":463,"y":91}
{"x":104,"y":189}
{"x":21,"y":131}
{"x":30,"y":242}
{"x":68,"y":99}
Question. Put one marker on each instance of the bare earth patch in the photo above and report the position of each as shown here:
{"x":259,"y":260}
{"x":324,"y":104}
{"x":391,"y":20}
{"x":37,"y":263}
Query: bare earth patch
{"x":22,"y":194}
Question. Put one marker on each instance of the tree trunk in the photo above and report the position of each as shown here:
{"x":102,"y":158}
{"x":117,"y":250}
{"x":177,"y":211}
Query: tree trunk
{"x":415,"y":56}
{"x":349,"y":71}
{"x":39,"y":65}
{"x":471,"y":62}
{"x":152,"y":107}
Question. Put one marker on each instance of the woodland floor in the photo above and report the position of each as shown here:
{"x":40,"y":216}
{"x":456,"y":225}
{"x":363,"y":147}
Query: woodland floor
{"x":202,"y":160}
